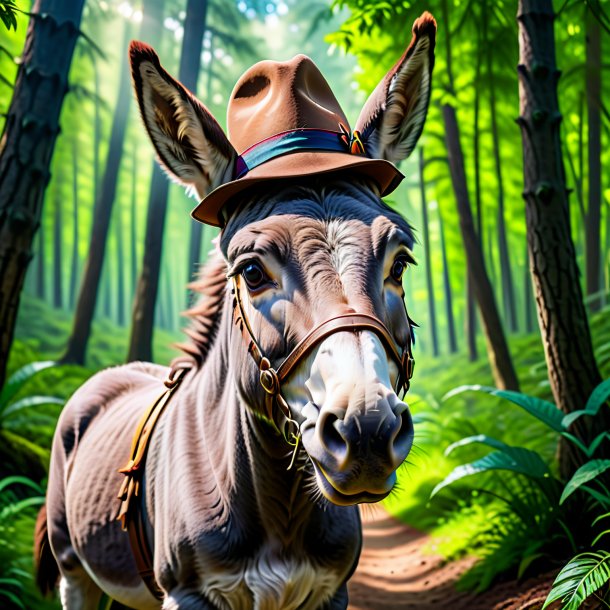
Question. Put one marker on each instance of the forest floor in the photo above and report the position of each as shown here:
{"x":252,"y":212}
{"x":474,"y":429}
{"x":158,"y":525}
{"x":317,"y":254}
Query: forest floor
{"x":396,"y":572}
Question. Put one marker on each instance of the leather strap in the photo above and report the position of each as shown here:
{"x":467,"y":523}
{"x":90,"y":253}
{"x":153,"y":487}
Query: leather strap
{"x":130,"y":509}
{"x":271,"y":379}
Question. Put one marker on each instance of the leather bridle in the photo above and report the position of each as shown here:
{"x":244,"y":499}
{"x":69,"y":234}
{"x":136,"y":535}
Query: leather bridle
{"x":271,"y":379}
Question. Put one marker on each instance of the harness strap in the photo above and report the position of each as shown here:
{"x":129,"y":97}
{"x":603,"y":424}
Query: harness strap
{"x":130,"y":511}
{"x":271,"y":379}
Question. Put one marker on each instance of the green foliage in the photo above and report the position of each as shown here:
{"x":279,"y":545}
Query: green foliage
{"x":537,"y":517}
{"x":584,"y":576}
{"x":20,"y":452}
{"x":20,"y":498}
{"x":8,"y":10}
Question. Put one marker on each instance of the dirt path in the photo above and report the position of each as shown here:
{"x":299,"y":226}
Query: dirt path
{"x":394,"y":574}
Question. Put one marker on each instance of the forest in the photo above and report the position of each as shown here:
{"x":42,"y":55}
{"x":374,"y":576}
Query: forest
{"x":508,"y":192}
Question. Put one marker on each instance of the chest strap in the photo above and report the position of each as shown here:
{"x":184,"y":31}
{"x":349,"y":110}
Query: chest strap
{"x":130,"y":510}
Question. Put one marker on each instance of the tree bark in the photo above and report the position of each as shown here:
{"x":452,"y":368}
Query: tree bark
{"x":85,"y":309}
{"x":75,"y":261}
{"x":40,"y":266}
{"x":58,"y":301}
{"x":140,"y":344}
{"x":593,"y":217}
{"x":572,"y":369}
{"x":497,"y":348}
{"x":427,"y":256}
{"x":452,"y":341}
{"x":27,"y":144}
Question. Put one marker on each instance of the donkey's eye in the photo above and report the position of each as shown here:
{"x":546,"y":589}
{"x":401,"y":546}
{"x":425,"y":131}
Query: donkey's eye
{"x":254,"y":275}
{"x":398,"y":268}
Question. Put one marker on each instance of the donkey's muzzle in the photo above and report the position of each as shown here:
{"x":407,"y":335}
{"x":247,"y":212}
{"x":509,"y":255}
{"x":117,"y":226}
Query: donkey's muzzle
{"x":356,"y":456}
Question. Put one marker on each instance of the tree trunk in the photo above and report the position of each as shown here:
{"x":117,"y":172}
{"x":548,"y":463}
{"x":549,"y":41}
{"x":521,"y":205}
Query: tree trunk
{"x":470,"y":329}
{"x":26,"y":147}
{"x":40,"y":266}
{"x":140,"y":345}
{"x":527,"y":296}
{"x":447,"y":289}
{"x":120,"y":261}
{"x":133,"y":224}
{"x":87,"y":298}
{"x":573,"y":372}
{"x":471,"y":320}
{"x":58,"y":224}
{"x":85,"y":309}
{"x":593,"y":217}
{"x":198,"y":228}
{"x":427,"y":256}
{"x":75,"y":265}
{"x":497,"y":348}
{"x":106,"y":288}
{"x":508,"y":290}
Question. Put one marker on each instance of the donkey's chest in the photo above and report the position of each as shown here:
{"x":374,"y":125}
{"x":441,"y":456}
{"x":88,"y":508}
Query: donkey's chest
{"x":271,"y":582}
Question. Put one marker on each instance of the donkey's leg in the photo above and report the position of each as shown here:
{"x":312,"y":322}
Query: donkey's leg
{"x":78,"y":592}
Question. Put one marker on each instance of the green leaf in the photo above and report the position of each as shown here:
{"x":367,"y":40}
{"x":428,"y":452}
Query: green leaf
{"x":598,"y":397}
{"x":477,"y":438}
{"x":19,"y":379}
{"x":543,"y":410}
{"x":32,"y":401}
{"x":12,"y":597}
{"x":584,"y":474}
{"x":579,"y":579}
{"x":18,"y":480}
{"x":514,"y":459}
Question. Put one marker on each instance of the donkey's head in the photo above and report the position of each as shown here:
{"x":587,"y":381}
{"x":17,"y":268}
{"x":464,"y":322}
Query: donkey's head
{"x":322,"y":341}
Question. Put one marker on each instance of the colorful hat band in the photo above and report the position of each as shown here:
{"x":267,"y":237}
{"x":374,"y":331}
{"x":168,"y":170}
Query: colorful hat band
{"x":298,"y":140}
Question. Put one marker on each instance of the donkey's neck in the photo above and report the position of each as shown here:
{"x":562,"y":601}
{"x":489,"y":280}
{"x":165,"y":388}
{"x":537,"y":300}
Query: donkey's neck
{"x":253,"y":457}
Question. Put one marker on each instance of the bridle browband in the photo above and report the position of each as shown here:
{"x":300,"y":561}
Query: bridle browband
{"x":271,"y":379}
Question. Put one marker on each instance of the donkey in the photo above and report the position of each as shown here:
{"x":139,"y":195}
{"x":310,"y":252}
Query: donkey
{"x":288,"y":415}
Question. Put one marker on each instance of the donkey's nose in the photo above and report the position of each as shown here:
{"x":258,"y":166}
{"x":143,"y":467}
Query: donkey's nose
{"x":384,"y":433}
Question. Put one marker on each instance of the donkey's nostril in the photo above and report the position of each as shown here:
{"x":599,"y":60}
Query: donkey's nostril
{"x":330,"y":436}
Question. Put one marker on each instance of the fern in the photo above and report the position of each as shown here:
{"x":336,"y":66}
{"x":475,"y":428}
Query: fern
{"x":581,"y":578}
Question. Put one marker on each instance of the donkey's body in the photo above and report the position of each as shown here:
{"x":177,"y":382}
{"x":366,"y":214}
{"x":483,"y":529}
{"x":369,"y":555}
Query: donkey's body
{"x":316,"y":263}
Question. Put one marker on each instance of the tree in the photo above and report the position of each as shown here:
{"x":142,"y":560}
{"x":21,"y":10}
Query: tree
{"x":27,"y":144}
{"x":140,"y":343}
{"x":572,"y":369}
{"x":427,"y":255}
{"x":87,"y":297}
{"x":497,"y":348}
{"x":593,"y":79}
{"x":74,"y":268}
{"x":58,"y":224}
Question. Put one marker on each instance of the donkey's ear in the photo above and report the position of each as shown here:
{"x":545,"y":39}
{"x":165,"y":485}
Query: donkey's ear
{"x":190,"y":144}
{"x":393,"y":117}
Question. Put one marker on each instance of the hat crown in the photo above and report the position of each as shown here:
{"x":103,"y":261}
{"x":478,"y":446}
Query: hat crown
{"x":272,"y":97}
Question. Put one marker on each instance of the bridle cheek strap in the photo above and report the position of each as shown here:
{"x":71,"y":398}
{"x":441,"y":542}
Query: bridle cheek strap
{"x":271,"y":379}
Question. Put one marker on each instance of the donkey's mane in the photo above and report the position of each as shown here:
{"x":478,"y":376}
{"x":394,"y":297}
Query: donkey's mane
{"x":205,"y":315}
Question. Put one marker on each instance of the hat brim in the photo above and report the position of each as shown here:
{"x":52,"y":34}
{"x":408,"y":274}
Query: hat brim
{"x":294,"y":165}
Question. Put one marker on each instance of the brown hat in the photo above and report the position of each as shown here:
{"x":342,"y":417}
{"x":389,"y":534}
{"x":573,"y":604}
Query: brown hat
{"x":283,"y":122}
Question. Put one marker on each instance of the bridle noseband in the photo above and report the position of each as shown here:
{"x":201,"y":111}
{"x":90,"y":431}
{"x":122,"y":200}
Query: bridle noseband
{"x":271,"y":379}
